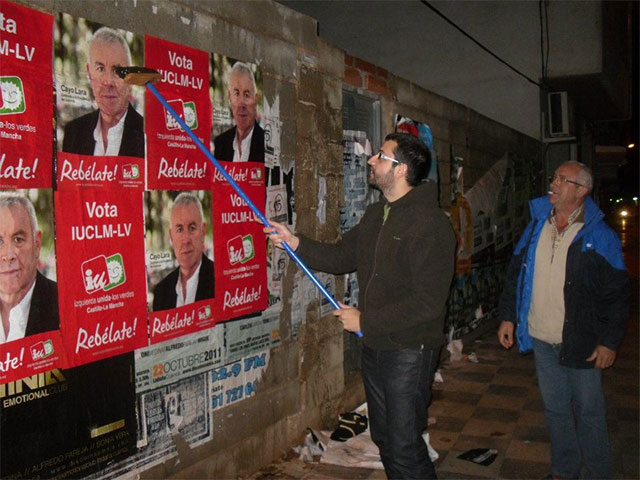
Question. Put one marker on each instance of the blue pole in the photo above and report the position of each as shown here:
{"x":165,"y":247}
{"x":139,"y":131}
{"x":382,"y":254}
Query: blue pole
{"x":244,"y":196}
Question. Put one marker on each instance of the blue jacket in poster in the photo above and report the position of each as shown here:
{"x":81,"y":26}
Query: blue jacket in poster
{"x":596,"y":289}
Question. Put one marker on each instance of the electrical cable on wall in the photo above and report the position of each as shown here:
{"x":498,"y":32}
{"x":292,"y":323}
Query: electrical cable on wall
{"x":543,"y":7}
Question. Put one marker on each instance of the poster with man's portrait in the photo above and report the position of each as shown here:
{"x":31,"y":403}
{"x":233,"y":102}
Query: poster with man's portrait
{"x":99,"y":116}
{"x":179,"y":258}
{"x":29,"y":331}
{"x":236,"y":96}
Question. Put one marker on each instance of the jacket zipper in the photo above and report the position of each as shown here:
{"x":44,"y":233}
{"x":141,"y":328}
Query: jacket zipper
{"x":375,"y":263}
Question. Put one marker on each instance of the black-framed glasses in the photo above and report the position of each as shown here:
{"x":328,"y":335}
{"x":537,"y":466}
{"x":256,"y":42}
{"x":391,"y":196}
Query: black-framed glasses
{"x":381,"y":156}
{"x":563,"y":179}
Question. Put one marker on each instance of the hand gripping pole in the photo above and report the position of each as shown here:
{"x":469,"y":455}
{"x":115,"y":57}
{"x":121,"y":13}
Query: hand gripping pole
{"x":145,"y":76}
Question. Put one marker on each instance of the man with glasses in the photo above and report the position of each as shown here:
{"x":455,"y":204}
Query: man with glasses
{"x":403,"y":251}
{"x":567,"y":291}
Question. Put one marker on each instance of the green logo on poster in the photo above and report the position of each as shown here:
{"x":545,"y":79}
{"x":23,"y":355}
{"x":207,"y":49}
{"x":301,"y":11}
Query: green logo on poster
{"x":131,"y":171}
{"x":115,"y":267}
{"x":42,"y":350}
{"x":247,"y":246}
{"x":12,"y":96}
{"x":190,"y":115}
{"x":204,"y":312}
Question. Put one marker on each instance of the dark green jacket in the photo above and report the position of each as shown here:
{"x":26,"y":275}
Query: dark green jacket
{"x":405,"y":265}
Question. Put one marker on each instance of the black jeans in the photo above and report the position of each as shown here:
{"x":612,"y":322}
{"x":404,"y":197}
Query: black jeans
{"x":398,"y":388}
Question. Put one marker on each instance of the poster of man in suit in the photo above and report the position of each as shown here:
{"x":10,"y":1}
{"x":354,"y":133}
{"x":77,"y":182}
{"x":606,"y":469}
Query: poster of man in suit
{"x":28,"y":291}
{"x":98,"y":113}
{"x":238,"y":136}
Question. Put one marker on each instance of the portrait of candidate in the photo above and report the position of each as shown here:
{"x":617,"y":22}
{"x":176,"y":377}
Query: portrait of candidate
{"x":28,"y":300}
{"x":193,"y":280}
{"x":115,"y":128}
{"x":243,"y":142}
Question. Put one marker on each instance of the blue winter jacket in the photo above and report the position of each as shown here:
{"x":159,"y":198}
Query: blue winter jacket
{"x":596,"y":289}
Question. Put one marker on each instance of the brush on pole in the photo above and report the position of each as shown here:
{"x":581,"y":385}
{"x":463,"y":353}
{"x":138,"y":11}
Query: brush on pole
{"x":143,"y":76}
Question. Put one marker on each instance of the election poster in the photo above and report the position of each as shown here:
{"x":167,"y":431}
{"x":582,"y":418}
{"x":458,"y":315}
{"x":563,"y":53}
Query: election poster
{"x":30,"y":355}
{"x":31,"y":341}
{"x":236,"y":98}
{"x":100,"y":250}
{"x":95,"y":172}
{"x":68,"y":423}
{"x":98,"y":114}
{"x":180,"y":267}
{"x":240,"y":246}
{"x":25,"y":79}
{"x":174,"y":160}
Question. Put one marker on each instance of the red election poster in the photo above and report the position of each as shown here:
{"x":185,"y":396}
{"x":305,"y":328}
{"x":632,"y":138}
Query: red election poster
{"x":99,"y":126}
{"x":26,"y":106}
{"x":240,"y":248}
{"x":30,"y":356}
{"x":180,"y":269}
{"x":30,"y":342}
{"x":89,"y":171}
{"x":174,"y":161}
{"x":100,"y":250}
{"x":167,"y":324}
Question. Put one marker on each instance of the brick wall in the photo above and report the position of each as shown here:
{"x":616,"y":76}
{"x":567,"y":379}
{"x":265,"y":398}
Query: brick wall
{"x":365,"y":75}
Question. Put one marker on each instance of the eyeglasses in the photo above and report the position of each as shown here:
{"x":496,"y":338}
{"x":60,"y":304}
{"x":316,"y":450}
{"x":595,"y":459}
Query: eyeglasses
{"x":563,"y":179}
{"x":381,"y":156}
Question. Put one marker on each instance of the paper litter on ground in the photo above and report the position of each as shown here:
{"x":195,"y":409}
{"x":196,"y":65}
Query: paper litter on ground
{"x":358,"y":451}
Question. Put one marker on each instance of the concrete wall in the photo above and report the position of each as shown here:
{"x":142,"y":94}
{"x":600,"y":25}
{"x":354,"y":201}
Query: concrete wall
{"x":304,"y":385}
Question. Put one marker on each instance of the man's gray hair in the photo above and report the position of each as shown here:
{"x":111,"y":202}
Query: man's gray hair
{"x":244,"y":69}
{"x":585,"y":177}
{"x":13,"y":199}
{"x":109,"y":35}
{"x":188,"y":198}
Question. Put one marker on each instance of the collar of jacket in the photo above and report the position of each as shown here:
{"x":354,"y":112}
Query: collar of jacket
{"x":425,"y":193}
{"x":541,"y":208}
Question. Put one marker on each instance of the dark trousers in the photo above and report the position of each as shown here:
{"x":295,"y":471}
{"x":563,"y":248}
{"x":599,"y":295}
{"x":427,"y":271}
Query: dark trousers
{"x":398,"y":388}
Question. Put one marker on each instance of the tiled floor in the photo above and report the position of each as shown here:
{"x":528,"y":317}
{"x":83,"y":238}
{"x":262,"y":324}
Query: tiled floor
{"x":495,"y":404}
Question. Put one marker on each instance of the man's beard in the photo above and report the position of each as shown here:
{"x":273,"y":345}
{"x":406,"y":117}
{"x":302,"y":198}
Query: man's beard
{"x":380,"y":183}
